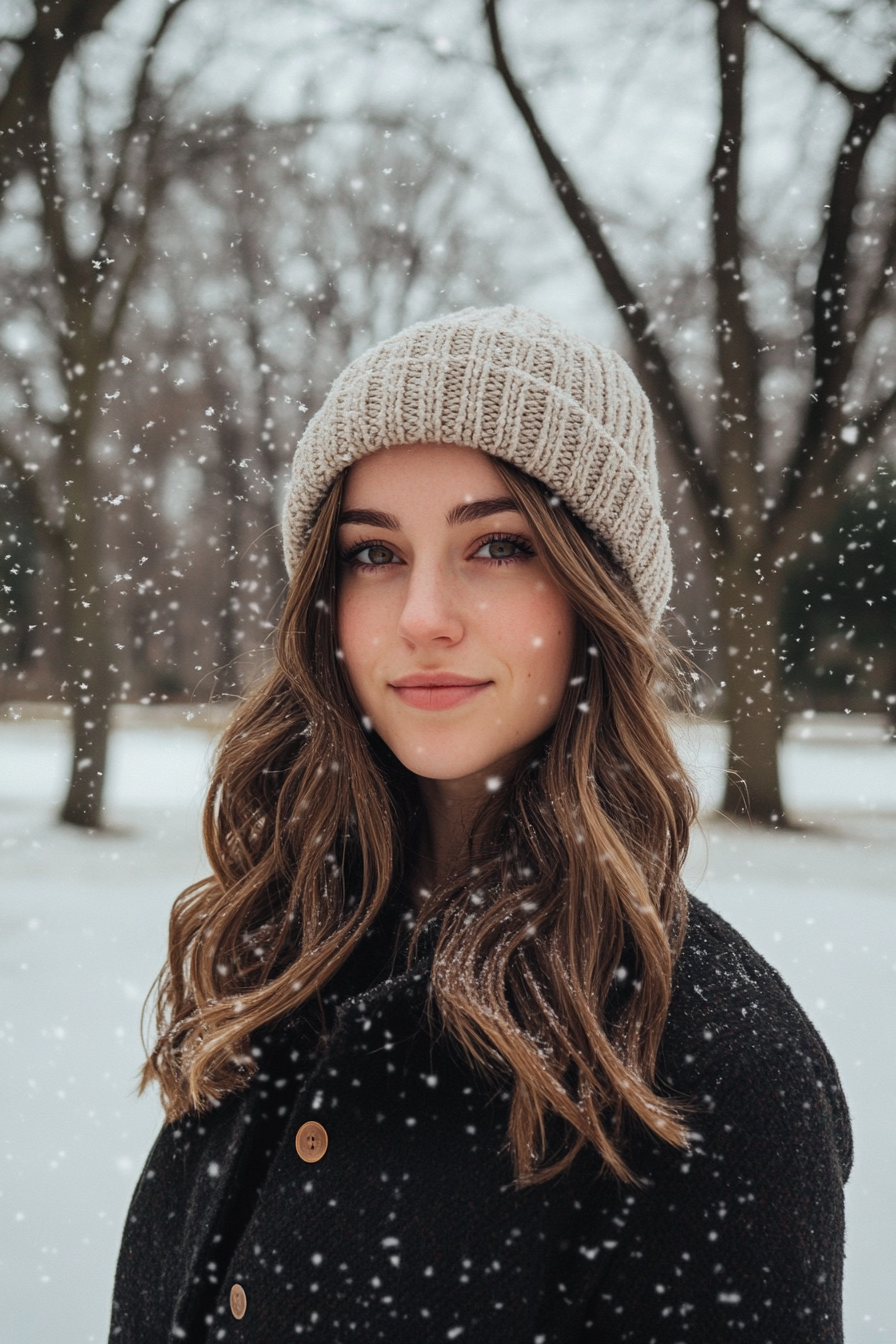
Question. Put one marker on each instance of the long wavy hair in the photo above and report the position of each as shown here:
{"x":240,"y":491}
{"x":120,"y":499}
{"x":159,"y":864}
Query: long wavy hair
{"x":553,"y":963}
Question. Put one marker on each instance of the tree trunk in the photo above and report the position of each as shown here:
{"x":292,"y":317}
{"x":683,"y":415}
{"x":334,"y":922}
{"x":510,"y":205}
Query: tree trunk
{"x":227,"y":680}
{"x":90,"y":723}
{"x":753,"y":691}
{"x":86,"y":646}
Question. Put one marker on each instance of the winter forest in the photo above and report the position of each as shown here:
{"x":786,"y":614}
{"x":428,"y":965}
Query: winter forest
{"x":207,"y":208}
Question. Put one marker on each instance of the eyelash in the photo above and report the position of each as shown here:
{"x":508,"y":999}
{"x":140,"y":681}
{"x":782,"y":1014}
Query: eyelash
{"x":348,"y":557}
{"x":527,"y":551}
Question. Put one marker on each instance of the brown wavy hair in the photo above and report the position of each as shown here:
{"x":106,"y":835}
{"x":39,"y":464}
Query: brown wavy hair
{"x":553,"y":963}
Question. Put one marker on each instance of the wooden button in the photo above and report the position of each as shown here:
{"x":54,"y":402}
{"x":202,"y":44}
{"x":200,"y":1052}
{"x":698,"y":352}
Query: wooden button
{"x":311,"y":1141}
{"x":238,"y":1301}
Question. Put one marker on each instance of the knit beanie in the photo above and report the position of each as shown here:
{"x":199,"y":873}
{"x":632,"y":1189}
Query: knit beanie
{"x":521,"y":387}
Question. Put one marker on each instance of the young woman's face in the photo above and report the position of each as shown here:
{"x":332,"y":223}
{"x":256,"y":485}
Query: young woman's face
{"x":457,"y":643}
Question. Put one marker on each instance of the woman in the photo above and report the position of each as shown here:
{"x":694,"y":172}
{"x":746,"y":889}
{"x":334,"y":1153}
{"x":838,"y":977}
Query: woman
{"x":446,"y":1050}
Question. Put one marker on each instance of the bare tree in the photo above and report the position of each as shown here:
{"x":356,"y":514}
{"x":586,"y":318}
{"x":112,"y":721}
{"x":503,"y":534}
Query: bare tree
{"x":189,"y":285}
{"x":79,"y":306}
{"x":760,"y":511}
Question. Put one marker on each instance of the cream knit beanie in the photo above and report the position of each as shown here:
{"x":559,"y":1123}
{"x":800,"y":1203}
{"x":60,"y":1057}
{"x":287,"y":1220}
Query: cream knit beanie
{"x":521,"y":387}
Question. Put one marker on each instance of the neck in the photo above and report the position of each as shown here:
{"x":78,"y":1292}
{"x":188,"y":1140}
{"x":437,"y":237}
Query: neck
{"x":450,"y":807}
{"x":445,"y":839}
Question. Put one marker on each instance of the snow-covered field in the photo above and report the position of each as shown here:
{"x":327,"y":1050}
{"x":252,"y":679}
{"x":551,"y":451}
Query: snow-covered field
{"x":82,"y":933}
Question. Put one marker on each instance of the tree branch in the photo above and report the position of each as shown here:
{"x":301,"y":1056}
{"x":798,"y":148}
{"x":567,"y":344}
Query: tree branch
{"x":833,"y":352}
{"x":43,"y":159}
{"x":653,"y":366}
{"x":818,"y":498}
{"x":875,"y":420}
{"x":82,"y":118}
{"x":736,"y":344}
{"x":154,"y":187}
{"x":123,"y":293}
{"x":818,"y":68}
{"x":248,"y":257}
{"x":126,"y":136}
{"x":874,"y":301}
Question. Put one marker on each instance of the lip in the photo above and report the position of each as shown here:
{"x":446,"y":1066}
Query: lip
{"x":437,"y":690}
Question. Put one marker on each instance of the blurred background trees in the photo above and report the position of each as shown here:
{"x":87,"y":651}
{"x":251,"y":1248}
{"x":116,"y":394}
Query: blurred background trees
{"x":181,"y":288}
{"x":207,"y":209}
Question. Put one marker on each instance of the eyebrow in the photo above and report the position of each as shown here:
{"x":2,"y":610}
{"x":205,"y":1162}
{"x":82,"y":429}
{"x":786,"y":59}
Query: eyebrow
{"x":370,"y":518}
{"x":461,"y":513}
{"x":481,"y":508}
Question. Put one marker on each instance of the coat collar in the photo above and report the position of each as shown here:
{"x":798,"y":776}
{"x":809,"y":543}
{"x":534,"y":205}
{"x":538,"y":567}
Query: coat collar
{"x":406,"y":992}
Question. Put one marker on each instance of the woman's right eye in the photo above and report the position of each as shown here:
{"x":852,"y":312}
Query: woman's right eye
{"x":374,"y":555}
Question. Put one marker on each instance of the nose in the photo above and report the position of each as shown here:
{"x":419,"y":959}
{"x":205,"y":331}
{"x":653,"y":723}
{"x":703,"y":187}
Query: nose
{"x":432,"y":611}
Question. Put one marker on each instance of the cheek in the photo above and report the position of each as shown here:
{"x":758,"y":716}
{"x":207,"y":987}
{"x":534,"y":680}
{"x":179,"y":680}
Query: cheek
{"x":539,"y":637}
{"x":356,"y":633}
{"x":552,"y":670}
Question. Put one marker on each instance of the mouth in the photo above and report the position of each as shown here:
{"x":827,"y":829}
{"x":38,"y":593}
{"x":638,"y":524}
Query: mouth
{"x":437,"y":690}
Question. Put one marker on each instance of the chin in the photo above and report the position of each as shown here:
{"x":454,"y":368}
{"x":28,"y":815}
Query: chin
{"x":445,"y":765}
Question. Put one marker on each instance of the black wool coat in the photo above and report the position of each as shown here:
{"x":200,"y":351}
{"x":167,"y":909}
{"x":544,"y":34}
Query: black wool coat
{"x":409,"y":1228}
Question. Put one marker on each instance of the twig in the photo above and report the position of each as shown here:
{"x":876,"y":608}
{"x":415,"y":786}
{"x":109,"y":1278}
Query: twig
{"x":818,"y":68}
{"x":653,"y":365}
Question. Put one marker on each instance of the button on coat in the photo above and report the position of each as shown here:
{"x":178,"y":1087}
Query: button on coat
{"x":311,"y":1141}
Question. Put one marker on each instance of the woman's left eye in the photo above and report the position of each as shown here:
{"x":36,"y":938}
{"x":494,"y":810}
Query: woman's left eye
{"x":503,"y":548}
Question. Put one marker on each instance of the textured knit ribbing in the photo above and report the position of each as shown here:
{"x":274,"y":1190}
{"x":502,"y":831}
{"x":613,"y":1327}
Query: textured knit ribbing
{"x":521,"y":387}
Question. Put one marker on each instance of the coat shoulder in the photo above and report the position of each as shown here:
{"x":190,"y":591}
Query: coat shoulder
{"x":733,"y":1017}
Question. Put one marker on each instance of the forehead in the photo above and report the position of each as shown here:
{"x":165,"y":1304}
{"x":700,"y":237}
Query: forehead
{"x":418,"y":470}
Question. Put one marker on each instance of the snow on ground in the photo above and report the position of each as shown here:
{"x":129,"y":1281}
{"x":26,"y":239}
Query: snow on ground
{"x":82,"y":933}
